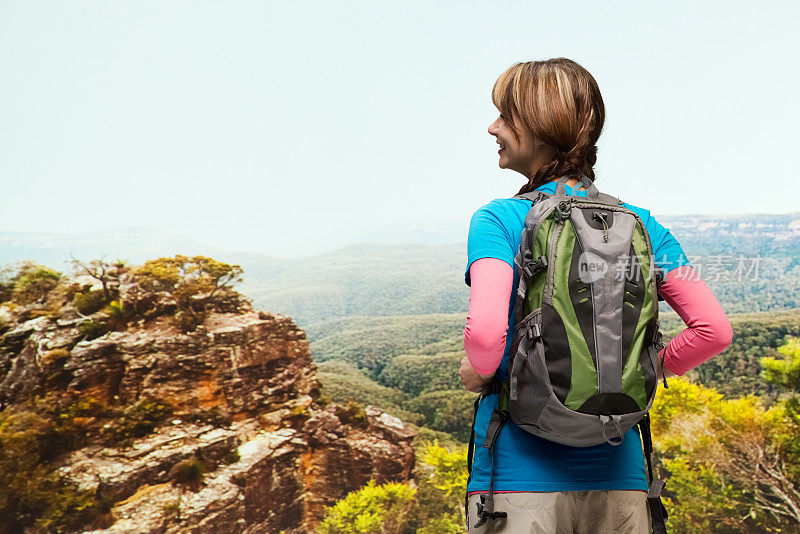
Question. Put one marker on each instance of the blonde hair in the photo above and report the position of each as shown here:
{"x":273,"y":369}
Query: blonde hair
{"x":559,"y":103}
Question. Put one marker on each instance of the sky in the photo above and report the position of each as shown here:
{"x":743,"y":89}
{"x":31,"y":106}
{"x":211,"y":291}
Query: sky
{"x":279,"y":126}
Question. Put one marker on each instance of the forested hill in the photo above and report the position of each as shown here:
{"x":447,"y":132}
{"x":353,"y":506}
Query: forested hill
{"x":726,"y":439}
{"x":373,"y":344}
{"x":750,"y":261}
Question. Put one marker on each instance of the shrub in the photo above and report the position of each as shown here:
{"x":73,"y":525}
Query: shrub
{"x":731,"y":461}
{"x":85,"y":407}
{"x":187,"y":322}
{"x":299,"y":412}
{"x":232,"y":456}
{"x":193,"y":282}
{"x":119,"y":313}
{"x":172,"y":509}
{"x":91,"y":329}
{"x":106,"y":273}
{"x":446,"y":411}
{"x":6,"y":284}
{"x":189,"y":473}
{"x":88,"y":302}
{"x":353,"y":414}
{"x":441,"y":476}
{"x":385,"y":509}
{"x":138,"y":420}
{"x":33,"y":283}
{"x":74,"y":288}
{"x":31,"y":494}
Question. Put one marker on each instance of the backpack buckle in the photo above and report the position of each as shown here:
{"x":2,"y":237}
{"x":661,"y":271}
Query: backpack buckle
{"x":534,"y":331}
{"x":563,"y":210}
{"x":657,"y":339}
{"x":535,"y":266}
{"x":486,"y":510}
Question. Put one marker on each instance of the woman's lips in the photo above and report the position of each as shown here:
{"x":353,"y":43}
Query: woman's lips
{"x":500,"y":151}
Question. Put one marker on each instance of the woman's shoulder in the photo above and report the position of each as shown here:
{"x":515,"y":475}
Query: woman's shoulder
{"x":651,"y":224}
{"x":644,"y":214}
{"x":505,"y":207}
{"x":511,"y":211}
{"x":515,"y":206}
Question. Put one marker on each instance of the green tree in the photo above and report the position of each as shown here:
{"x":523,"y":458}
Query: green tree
{"x":104,"y":272}
{"x":372,"y":509}
{"x":785,"y":371}
{"x":446,"y":411}
{"x":32,"y":494}
{"x":33,"y":282}
{"x":733,"y":463}
{"x":419,"y":373}
{"x":738,"y":369}
{"x":441,"y":477}
{"x":6,"y":283}
{"x":192,"y":282}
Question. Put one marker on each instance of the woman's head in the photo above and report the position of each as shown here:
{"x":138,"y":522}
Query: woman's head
{"x":551,"y":115}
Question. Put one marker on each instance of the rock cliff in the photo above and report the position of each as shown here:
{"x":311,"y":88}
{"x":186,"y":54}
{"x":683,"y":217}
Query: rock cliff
{"x":220,"y":429}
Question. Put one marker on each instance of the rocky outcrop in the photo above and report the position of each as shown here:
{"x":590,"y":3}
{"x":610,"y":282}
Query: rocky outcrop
{"x":243,"y":401}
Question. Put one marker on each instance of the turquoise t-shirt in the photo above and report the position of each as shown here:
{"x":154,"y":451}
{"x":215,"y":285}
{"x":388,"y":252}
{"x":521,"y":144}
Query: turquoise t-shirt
{"x":524,"y":462}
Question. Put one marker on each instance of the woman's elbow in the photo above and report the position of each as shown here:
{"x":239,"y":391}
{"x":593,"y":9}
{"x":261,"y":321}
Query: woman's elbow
{"x":718,"y":334}
{"x":724,"y":335}
{"x":484,"y":341}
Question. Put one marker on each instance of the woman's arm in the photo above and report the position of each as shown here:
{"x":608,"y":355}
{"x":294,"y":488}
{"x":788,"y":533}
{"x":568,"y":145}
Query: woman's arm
{"x":708,"y":330}
{"x":487,"y":320}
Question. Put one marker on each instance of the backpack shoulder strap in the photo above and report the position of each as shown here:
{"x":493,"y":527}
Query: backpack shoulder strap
{"x":534,"y":196}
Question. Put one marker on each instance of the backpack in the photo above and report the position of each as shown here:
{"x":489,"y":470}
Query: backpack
{"x":584,"y":356}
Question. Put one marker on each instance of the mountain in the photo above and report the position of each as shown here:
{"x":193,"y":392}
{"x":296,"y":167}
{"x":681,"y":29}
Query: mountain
{"x":749,"y":261}
{"x":135,"y":244}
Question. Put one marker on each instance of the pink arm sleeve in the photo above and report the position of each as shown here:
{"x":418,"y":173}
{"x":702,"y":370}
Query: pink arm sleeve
{"x":707,"y":331}
{"x":487,"y":319}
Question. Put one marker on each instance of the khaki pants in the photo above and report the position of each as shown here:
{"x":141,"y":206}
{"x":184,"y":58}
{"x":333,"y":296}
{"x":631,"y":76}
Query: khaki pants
{"x":566,"y":512}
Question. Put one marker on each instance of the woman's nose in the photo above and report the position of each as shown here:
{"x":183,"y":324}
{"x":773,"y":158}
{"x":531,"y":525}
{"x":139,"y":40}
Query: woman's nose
{"x":493,"y":128}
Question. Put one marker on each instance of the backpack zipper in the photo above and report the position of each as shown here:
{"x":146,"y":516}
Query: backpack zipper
{"x":531,"y":237}
{"x":551,"y":254}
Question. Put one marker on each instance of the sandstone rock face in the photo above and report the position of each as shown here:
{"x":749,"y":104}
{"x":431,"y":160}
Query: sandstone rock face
{"x":294,"y":455}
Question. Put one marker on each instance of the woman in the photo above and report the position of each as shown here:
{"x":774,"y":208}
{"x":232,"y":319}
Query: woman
{"x":551,"y":115}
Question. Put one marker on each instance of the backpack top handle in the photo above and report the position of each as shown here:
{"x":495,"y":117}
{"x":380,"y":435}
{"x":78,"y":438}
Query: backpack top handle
{"x":591,"y":190}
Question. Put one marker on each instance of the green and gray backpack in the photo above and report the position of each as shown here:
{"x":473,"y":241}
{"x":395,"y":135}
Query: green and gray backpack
{"x":584,"y":356}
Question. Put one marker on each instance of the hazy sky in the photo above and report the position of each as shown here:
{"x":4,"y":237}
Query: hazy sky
{"x":271,"y":126}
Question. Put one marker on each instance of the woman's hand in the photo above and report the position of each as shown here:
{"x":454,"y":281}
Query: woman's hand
{"x":470,"y":378}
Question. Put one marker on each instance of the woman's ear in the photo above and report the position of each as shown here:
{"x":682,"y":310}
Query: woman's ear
{"x":540,"y":147}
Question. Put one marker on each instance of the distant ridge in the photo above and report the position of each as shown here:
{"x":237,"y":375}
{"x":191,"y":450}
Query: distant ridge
{"x":427,"y":275}
{"x":135,"y":244}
